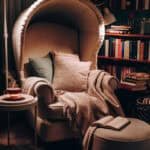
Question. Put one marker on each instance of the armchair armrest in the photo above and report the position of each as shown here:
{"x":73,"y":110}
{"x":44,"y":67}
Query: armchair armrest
{"x":39,"y":87}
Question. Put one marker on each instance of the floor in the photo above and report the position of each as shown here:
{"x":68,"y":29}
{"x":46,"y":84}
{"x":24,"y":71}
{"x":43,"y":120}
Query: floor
{"x":21,"y":136}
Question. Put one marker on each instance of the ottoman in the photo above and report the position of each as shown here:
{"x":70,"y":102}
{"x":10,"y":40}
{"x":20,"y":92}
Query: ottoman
{"x":135,"y":136}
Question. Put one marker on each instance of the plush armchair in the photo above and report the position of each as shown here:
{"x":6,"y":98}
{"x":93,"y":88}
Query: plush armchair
{"x":68,"y":26}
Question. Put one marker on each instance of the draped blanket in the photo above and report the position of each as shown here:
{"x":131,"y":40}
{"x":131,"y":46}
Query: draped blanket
{"x":83,"y":108}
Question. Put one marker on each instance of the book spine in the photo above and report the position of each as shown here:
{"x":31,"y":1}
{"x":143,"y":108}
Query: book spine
{"x":119,"y":48}
{"x":122,"y":49}
{"x":137,"y":5}
{"x":138,"y":49}
{"x":140,"y":6}
{"x":106,"y":47}
{"x":142,"y":50}
{"x":134,"y":49}
{"x":146,"y":50}
{"x":116,"y":48}
{"x":126,"y":49}
{"x":123,"y":4}
{"x":113,"y":48}
{"x":130,"y":49}
{"x":146,"y":4}
{"x":110,"y":46}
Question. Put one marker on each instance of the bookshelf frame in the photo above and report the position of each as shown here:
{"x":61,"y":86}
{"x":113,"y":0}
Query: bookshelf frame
{"x":137,"y":36}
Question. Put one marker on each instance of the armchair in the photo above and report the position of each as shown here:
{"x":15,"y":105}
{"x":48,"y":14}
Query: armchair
{"x":69,"y":26}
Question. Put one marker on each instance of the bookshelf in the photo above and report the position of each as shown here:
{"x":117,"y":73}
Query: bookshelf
{"x":124,"y":53}
{"x":126,"y":50}
{"x":137,"y":36}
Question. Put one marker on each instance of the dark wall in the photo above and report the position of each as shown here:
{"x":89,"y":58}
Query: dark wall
{"x":14,"y":8}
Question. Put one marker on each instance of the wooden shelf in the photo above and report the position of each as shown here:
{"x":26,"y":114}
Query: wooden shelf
{"x":139,"y":36}
{"x":122,"y":60}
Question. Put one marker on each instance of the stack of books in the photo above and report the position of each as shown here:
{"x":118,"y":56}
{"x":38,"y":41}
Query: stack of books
{"x":136,"y":81}
{"x":119,"y":29}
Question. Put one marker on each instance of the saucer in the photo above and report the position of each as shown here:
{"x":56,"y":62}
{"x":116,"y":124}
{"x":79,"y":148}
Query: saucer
{"x":16,"y":97}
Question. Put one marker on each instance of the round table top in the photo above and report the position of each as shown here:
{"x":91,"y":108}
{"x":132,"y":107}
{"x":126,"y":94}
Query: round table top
{"x":20,"y":102}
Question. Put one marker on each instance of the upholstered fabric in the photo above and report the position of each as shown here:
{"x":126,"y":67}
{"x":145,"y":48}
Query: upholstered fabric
{"x":68,"y":26}
{"x":135,"y":136}
{"x":42,"y":67}
{"x":70,"y":74}
{"x":37,"y":30}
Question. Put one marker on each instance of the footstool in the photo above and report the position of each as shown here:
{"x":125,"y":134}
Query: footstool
{"x":136,"y":136}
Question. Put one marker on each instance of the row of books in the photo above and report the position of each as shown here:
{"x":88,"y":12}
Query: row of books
{"x":136,"y":81}
{"x":119,"y":29}
{"x":126,"y":81}
{"x":117,"y":70}
{"x":129,"y":4}
{"x":126,"y":49}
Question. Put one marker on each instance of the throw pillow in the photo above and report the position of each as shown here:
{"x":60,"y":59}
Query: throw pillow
{"x":70,"y":74}
{"x":42,"y":66}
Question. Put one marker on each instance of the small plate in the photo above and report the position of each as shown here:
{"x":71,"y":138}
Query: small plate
{"x":14,"y":98}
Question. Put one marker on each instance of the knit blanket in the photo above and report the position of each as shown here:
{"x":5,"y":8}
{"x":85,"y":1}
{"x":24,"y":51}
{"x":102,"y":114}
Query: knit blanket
{"x":83,"y":108}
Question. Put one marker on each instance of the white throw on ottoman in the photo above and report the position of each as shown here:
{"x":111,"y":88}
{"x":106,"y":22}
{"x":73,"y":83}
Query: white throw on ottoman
{"x":135,"y":136}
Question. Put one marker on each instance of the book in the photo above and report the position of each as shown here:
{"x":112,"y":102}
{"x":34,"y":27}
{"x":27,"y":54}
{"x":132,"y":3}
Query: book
{"x":138,"y":75}
{"x":132,"y":86}
{"x":137,"y":5}
{"x":138,"y":49}
{"x":141,"y":51}
{"x":118,"y":48}
{"x":121,"y":27}
{"x":116,"y":31}
{"x":146,"y":4}
{"x":137,"y":82}
{"x":110,"y":122}
{"x":126,"y":49}
{"x":123,"y":4}
{"x":146,"y":45}
{"x":107,"y":47}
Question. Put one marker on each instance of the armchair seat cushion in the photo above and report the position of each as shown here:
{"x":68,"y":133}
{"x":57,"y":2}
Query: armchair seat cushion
{"x":55,"y":111}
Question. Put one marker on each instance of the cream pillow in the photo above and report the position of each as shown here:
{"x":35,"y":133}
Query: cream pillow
{"x":70,"y":74}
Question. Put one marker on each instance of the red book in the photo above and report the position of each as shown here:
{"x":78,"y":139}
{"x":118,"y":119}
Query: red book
{"x":141,"y":50}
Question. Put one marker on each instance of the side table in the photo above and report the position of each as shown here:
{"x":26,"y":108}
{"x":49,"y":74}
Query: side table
{"x":23,"y":102}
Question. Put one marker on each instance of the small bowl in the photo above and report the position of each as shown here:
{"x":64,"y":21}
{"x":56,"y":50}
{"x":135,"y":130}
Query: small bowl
{"x":13,"y":91}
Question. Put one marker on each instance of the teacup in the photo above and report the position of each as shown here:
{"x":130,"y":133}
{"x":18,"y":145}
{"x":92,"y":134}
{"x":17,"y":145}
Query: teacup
{"x":14,"y":92}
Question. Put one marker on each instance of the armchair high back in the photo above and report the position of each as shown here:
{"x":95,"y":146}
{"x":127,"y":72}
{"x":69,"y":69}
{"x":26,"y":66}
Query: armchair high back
{"x":69,"y":26}
{"x":72,"y":26}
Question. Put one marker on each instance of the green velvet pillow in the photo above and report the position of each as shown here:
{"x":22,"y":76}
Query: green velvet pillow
{"x":42,"y":66}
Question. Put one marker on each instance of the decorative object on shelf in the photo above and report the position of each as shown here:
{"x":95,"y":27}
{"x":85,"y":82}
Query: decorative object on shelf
{"x":108,"y":16}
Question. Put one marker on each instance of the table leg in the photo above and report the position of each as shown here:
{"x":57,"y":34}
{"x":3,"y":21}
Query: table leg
{"x":35,"y":127}
{"x":8,"y":128}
